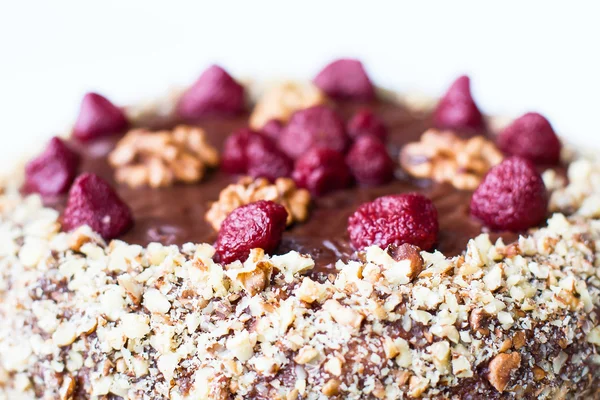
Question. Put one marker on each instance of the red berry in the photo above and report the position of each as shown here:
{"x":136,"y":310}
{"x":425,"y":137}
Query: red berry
{"x":248,"y":152}
{"x":369,"y":161}
{"x":395,"y":219}
{"x":532,"y":137}
{"x":53,"y":171}
{"x":215,"y":92}
{"x":93,"y":202}
{"x":512,"y":196}
{"x":312,"y":127}
{"x":457,"y":109}
{"x":345,"y":79}
{"x":255,"y":225}
{"x":97,"y":118}
{"x":364,"y":122}
{"x":321,"y":170}
{"x":272,"y":129}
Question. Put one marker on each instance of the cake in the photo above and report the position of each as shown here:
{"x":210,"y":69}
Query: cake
{"x":301,"y":240}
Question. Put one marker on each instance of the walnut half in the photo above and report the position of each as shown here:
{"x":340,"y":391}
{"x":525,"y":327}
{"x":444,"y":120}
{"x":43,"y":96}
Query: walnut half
{"x":284,"y":191}
{"x":445,"y":157}
{"x":162,"y":158}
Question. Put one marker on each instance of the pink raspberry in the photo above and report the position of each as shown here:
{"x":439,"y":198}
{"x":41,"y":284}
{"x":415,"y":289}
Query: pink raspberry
{"x":248,"y":152}
{"x":532,"y":137}
{"x":215,"y":92}
{"x":93,"y":202}
{"x":53,"y":171}
{"x":394,"y":220}
{"x":345,"y":79}
{"x":97,"y":118}
{"x":369,"y":161}
{"x":364,"y":122}
{"x":457,"y":109}
{"x":311,"y":127}
{"x":255,"y":225}
{"x":511,"y":197}
{"x":321,"y":170}
{"x":272,"y":129}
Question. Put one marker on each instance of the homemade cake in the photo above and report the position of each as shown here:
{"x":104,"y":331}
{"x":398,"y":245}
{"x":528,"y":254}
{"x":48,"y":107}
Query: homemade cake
{"x":301,"y":240}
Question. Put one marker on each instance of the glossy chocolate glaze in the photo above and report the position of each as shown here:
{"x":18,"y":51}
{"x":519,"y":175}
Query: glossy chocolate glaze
{"x":176,"y":214}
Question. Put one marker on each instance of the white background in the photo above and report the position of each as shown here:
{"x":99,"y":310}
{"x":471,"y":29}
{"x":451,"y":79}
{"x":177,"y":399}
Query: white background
{"x":522,"y":56}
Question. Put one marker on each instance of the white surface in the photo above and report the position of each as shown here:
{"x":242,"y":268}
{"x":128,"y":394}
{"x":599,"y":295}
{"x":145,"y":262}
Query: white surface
{"x":522,"y":56}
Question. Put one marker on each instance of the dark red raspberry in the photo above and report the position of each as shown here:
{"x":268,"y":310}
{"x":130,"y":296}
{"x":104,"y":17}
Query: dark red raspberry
{"x":322,"y":170}
{"x":97,"y":118}
{"x":272,"y":129}
{"x":369,"y":161}
{"x":93,"y":202}
{"x":248,"y":152}
{"x":512,"y":196}
{"x":53,"y":171}
{"x":311,"y":127}
{"x":255,"y":225}
{"x":457,"y":109}
{"x":532,"y":137}
{"x":345,"y":79}
{"x":215,"y":92}
{"x":364,"y":122}
{"x":396,"y":219}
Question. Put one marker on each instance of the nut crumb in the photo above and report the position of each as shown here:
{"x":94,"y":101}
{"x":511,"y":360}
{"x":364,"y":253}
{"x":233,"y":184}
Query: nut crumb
{"x":501,"y":367}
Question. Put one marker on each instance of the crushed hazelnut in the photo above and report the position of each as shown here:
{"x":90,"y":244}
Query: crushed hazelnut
{"x":500,"y":369}
{"x":162,"y":158}
{"x":282,"y":100}
{"x":248,"y":190}
{"x":445,"y":157}
{"x":331,"y":388}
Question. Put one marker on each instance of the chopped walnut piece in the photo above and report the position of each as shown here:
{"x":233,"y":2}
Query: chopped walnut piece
{"x":538,"y":373}
{"x":501,"y":367}
{"x":445,"y":157}
{"x":282,"y":100}
{"x":331,"y":388}
{"x":248,"y":190}
{"x":162,"y":158}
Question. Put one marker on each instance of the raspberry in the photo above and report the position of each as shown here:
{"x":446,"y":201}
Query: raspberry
{"x":272,"y":129}
{"x":369,"y":161}
{"x":248,"y":152}
{"x":345,"y":79}
{"x":511,"y":197}
{"x":314,"y":126}
{"x":215,"y":92}
{"x":364,"y":122}
{"x":92,"y":201}
{"x":255,"y":225}
{"x":97,"y":118}
{"x":53,"y":171}
{"x":396,"y":219}
{"x":532,"y":137}
{"x":321,"y":170}
{"x":457,"y":110}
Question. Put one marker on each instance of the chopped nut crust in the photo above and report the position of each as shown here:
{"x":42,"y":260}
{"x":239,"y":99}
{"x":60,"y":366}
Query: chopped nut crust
{"x":445,"y":157}
{"x":163,"y":158}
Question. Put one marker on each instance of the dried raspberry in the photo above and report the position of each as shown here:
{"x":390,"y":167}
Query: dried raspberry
{"x":215,"y":92}
{"x":53,"y":171}
{"x":255,"y":225}
{"x":532,"y":137}
{"x":345,"y":79}
{"x":248,"y":152}
{"x":98,"y":117}
{"x":511,"y":197}
{"x":311,"y":127}
{"x":396,"y":219}
{"x":92,"y":201}
{"x":369,"y":161}
{"x":364,"y":122}
{"x":321,"y":170}
{"x":272,"y":129}
{"x":457,"y":110}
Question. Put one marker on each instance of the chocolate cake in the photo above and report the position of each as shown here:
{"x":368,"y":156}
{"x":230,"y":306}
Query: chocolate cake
{"x":301,"y":240}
